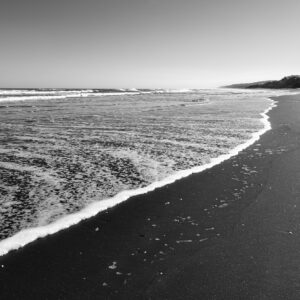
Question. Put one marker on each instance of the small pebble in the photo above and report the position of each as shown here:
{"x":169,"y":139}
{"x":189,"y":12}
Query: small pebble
{"x":202,"y":240}
{"x":113,"y":266}
{"x":210,"y":228}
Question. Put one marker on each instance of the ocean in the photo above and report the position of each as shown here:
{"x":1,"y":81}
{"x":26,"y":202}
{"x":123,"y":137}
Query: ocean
{"x":67,"y":154}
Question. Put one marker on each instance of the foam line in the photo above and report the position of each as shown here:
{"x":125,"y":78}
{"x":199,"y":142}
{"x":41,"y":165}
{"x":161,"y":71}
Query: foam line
{"x":65,"y":96}
{"x":29,"y":235}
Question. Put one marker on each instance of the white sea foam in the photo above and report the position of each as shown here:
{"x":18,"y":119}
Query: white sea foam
{"x":31,"y":234}
{"x":50,"y":95}
{"x":178,"y":91}
{"x":24,"y":98}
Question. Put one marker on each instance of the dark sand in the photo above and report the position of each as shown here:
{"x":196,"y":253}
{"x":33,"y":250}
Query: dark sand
{"x":230,"y":232}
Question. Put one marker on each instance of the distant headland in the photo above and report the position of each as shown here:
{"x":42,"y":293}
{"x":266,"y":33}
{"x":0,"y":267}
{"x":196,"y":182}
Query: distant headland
{"x":288,"y":82}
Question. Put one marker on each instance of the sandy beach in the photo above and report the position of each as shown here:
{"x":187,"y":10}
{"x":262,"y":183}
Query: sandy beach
{"x":230,"y":232}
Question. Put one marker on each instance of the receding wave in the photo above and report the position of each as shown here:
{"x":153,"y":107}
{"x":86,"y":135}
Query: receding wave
{"x":66,"y":160}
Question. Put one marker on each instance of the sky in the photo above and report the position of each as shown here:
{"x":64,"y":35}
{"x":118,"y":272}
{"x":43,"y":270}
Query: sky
{"x":147,"y":43}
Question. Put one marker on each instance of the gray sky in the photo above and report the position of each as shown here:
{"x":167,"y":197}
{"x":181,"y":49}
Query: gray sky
{"x":147,"y":43}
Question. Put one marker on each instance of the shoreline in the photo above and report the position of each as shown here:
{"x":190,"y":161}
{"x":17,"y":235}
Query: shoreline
{"x":29,"y":235}
{"x":229,"y":232}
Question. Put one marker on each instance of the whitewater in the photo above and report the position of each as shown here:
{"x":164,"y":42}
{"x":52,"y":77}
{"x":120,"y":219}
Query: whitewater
{"x":66,"y":158}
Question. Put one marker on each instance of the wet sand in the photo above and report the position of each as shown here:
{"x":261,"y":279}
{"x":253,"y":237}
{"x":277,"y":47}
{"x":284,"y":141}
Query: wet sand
{"x":230,"y":232}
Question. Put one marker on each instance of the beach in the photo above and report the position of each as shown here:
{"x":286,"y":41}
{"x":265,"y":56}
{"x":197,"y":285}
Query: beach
{"x":229,"y":232}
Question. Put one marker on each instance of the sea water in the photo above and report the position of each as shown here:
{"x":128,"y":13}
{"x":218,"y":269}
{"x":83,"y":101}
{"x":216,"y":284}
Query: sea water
{"x":62,"y":152}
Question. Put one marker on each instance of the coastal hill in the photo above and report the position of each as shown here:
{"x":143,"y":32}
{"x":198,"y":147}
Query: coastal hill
{"x":289,"y":82}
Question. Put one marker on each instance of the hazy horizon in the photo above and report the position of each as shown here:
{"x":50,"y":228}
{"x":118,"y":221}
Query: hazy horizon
{"x":138,"y":88}
{"x":147,"y":44}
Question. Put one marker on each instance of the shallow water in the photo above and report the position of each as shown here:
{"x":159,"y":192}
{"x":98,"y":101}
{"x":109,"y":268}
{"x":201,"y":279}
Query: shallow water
{"x":59,"y":155}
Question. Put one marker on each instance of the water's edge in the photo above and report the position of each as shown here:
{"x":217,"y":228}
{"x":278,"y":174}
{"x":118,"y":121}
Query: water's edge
{"x":29,"y":235}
